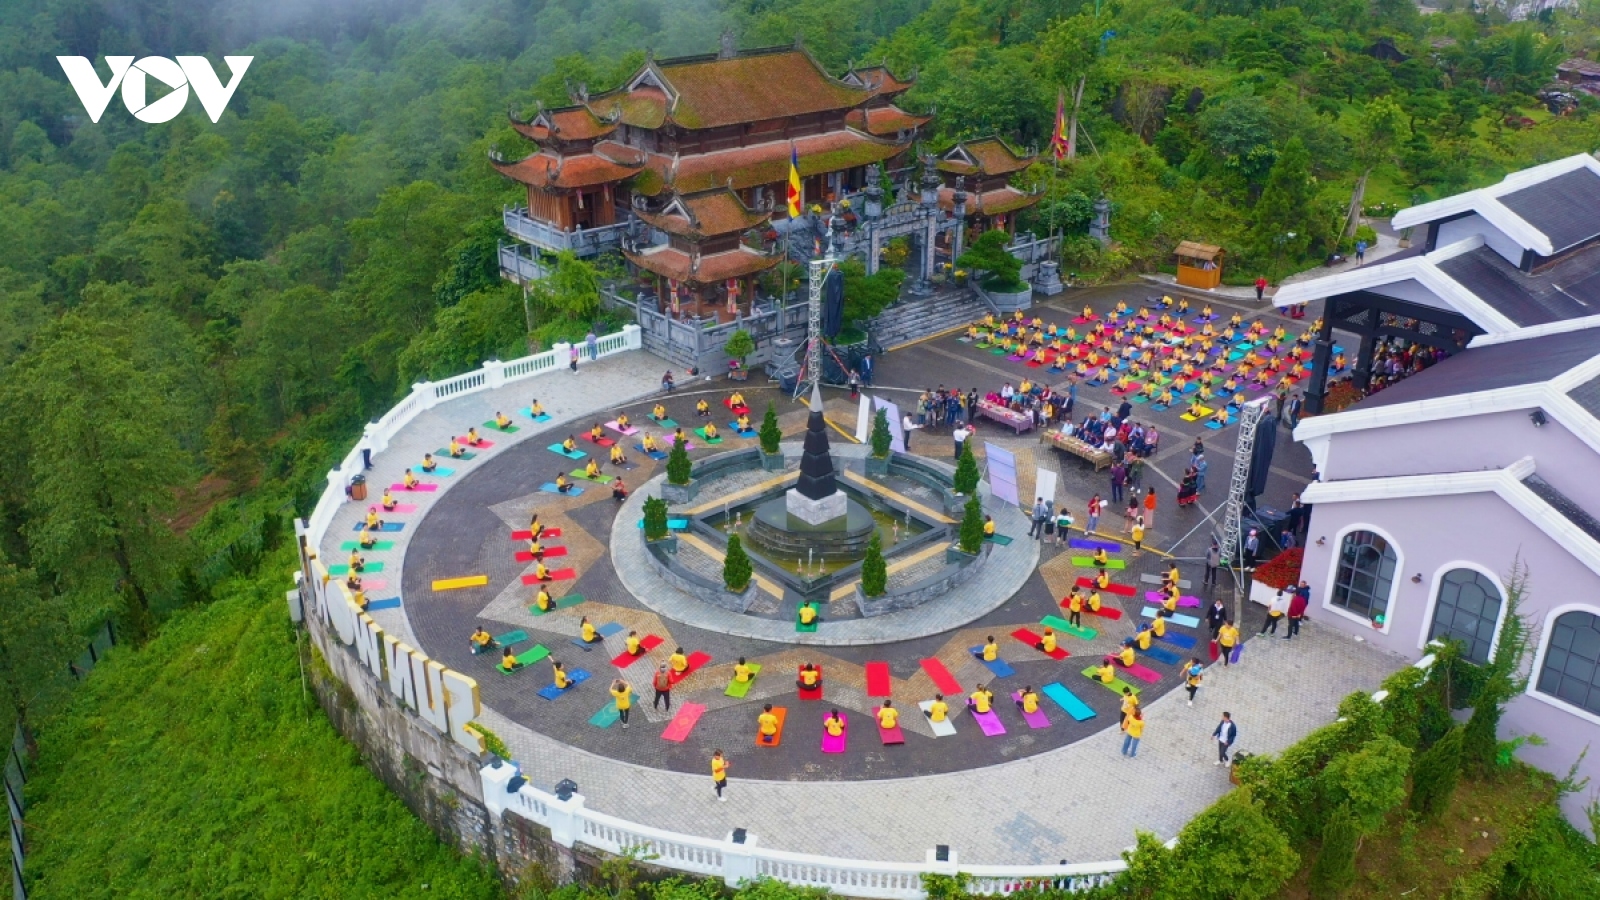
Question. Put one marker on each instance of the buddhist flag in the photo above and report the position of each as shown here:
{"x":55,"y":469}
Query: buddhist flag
{"x":1058,"y":136}
{"x":794,"y":182}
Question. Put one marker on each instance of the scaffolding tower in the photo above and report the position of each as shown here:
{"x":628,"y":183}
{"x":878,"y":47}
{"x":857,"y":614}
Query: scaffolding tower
{"x":1239,"y":484}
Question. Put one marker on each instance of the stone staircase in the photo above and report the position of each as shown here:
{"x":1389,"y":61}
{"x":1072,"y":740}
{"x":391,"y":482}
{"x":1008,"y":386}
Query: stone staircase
{"x":914,"y":318}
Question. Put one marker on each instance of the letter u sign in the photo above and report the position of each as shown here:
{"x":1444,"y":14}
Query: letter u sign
{"x":180,"y":75}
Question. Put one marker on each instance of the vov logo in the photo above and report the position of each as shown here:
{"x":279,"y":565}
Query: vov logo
{"x":179,"y":75}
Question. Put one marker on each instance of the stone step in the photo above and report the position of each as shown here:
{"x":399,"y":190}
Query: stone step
{"x":921,"y":318}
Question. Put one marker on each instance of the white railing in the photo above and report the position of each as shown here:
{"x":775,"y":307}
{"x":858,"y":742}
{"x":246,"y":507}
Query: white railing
{"x":582,"y":241}
{"x":571,"y":822}
{"x":426,"y":395}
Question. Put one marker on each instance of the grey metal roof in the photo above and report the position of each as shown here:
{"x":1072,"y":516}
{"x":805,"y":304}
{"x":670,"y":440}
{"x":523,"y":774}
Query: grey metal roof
{"x":1587,"y":395}
{"x":1566,"y":208}
{"x":1570,"y":289}
{"x":1529,"y":361}
{"x":1563,"y":504}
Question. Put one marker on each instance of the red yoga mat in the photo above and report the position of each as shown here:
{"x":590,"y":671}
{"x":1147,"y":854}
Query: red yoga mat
{"x":1142,"y":673}
{"x":1121,"y":590}
{"x":646,"y":644}
{"x":942,"y":679}
{"x":877,"y":679}
{"x":480,"y":445}
{"x":555,"y":575}
{"x":696,"y":660}
{"x":527,"y":535}
{"x":812,"y":693}
{"x":683,"y":723}
{"x":889,"y":736}
{"x":549,"y":553}
{"x":1031,"y":639}
{"x":1105,"y":612}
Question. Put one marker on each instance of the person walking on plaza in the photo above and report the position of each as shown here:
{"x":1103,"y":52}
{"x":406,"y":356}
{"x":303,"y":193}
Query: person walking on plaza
{"x":1192,"y":676}
{"x":1216,"y":615}
{"x":1213,"y":561}
{"x":1227,"y":639}
{"x":572,"y":359}
{"x":719,"y":773}
{"x":1135,"y":474}
{"x":1297,"y":608}
{"x":622,"y":693}
{"x":1041,"y":514}
{"x":1200,"y":473}
{"x":1133,"y":729}
{"x":1261,"y":287}
{"x":1225,"y":733}
{"x":662,"y":682}
{"x":1252,"y":546}
{"x":960,"y":435}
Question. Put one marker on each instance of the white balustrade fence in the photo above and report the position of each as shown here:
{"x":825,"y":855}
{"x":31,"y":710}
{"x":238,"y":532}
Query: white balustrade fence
{"x":426,"y":395}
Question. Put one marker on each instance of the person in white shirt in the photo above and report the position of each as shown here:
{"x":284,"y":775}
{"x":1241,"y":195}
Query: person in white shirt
{"x":960,"y":434}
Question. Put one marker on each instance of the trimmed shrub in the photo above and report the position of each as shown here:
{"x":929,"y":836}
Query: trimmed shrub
{"x":874,"y":571}
{"x":966,"y":477}
{"x":771,"y":434}
{"x":655,"y":518}
{"x":882,"y":438}
{"x":678,"y":465}
{"x":736,"y":568}
{"x":1436,"y":774}
{"x":972,"y":526}
{"x":1335,"y":869}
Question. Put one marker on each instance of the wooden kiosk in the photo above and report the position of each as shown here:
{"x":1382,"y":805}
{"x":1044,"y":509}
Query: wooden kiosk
{"x":1199,"y":265}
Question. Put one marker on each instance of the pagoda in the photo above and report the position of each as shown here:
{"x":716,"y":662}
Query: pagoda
{"x":980,"y":173}
{"x":816,"y":497}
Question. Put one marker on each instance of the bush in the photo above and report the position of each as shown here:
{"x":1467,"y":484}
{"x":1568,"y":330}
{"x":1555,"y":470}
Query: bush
{"x":740,"y":345}
{"x":882,"y":438}
{"x":655,"y":518}
{"x":678,"y":466}
{"x":1368,"y":783}
{"x":771,"y":434}
{"x":874,"y":571}
{"x":966,"y":477}
{"x":736,"y":568}
{"x":1335,"y":869}
{"x":491,"y":741}
{"x":1434,"y":779}
{"x":972,"y":526}
{"x":1231,"y":851}
{"x":1001,"y":269}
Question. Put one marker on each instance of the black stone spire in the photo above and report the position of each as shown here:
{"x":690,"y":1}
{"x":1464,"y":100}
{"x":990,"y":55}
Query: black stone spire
{"x":816,"y":463}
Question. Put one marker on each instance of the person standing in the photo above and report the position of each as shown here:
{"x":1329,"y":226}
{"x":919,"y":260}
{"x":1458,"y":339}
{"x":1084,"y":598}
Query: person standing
{"x":662,"y":682}
{"x":1261,"y":287}
{"x":719,"y":772}
{"x":1213,"y":561}
{"x":1225,"y":733}
{"x":1041,"y":514}
{"x":593,"y":343}
{"x":855,"y":384}
{"x":1192,"y":676}
{"x":1298,"y":604}
{"x":960,"y":435}
{"x":1133,"y":727}
{"x":1119,"y":477}
{"x":1216,"y":616}
{"x":866,"y":370}
{"x":1072,"y":397}
{"x":622,"y":693}
{"x":1135,"y":473}
{"x":1293,"y":410}
{"x":1275,"y":611}
{"x":1094,"y":515}
{"x":1200,"y":467}
{"x":1252,"y":546}
{"x":572,"y":359}
{"x":1150,"y":508}
{"x":1361,"y":253}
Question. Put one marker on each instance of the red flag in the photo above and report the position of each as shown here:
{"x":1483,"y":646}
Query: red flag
{"x":1058,"y":135}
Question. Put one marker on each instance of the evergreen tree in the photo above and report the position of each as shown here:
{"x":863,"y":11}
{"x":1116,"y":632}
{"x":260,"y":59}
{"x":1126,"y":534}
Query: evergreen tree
{"x":1503,"y":679}
{"x":966,"y":478}
{"x":678,"y":465}
{"x":1335,"y":869}
{"x":736,"y":568}
{"x":655,"y":518}
{"x":972,"y":526}
{"x":874,"y":571}
{"x":1434,"y":778}
{"x":771,"y":434}
{"x":882,"y":438}
{"x":1285,"y":205}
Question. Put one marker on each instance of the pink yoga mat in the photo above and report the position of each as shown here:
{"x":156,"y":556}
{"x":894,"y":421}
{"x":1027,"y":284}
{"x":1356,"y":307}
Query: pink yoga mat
{"x":1140,"y":672}
{"x":424,"y":488}
{"x":831,"y":744}
{"x":1156,"y":597}
{"x":1034,"y":719}
{"x":630,"y":430}
{"x":990,"y":723}
{"x":373,"y":584}
{"x":683,"y":723}
{"x":404,"y":508}
{"x":480,"y":445}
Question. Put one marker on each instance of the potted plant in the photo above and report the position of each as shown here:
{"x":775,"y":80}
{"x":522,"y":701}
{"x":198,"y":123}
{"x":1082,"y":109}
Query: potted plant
{"x":874,"y":571}
{"x":969,"y":540}
{"x":739,"y":346}
{"x":882,"y":439}
{"x":966,"y":477}
{"x":656,"y":530}
{"x":680,"y":486}
{"x":771,"y":435}
{"x":736,"y":568}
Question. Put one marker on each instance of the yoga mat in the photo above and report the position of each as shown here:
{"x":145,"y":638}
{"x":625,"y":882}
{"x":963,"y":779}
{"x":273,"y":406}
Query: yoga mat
{"x":549,"y":487}
{"x":1031,"y":639}
{"x":889,"y":736}
{"x":391,"y":603}
{"x":1158,"y":598}
{"x":606,"y":717}
{"x":1086,"y":544}
{"x":683,"y":723}
{"x":630,"y":431}
{"x":990,"y":723}
{"x":510,"y":637}
{"x":1000,"y":539}
{"x":528,"y":411}
{"x":646,"y":644}
{"x":738,"y":410}
{"x":1143,"y":673}
{"x":782,"y":715}
{"x":657,"y":455}
{"x":371,"y":568}
{"x":525,"y":659}
{"x":940,"y":729}
{"x":807,"y":629}
{"x":1121,"y":590}
{"x":811,"y":693}
{"x":695,"y":661}
{"x":561,"y":603}
{"x":403,"y":508}
{"x":559,"y":451}
{"x":1089,"y":561}
{"x":549,"y":553}
{"x":1178,"y":618}
{"x":466,"y":581}
{"x":878,"y":679}
{"x":741,"y":688}
{"x":588,"y":646}
{"x":1066,"y":627}
{"x":597,"y":441}
{"x":480,"y":445}
{"x":444,"y":453}
{"x":387,"y":526}
{"x":1035,"y":719}
{"x":440,"y":471}
{"x":1115,"y":686}
{"x":377,"y":546}
{"x":942,"y":679}
{"x":831,"y":744}
{"x":664,"y":423}
{"x":1165,"y":656}
{"x":1238,"y":651}
{"x":672,"y":439}
{"x":1185,"y":641}
{"x":509,"y":429}
{"x":601,"y":479}
{"x":555,"y":575}
{"x":734,"y":427}
{"x":527,"y":534}
{"x":672,"y":524}
{"x":1067,"y":700}
{"x":999,"y":667}
{"x":1183,"y":584}
{"x":551,"y":692}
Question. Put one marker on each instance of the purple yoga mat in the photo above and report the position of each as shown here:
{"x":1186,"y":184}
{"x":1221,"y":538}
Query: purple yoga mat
{"x":1185,"y":600}
{"x":1034,"y":719}
{"x":1086,"y":544}
{"x":990,"y":723}
{"x":831,"y":744}
{"x":1238,"y":650}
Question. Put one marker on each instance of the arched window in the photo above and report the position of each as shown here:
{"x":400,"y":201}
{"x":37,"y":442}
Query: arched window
{"x":1366,"y":574}
{"x":1571,"y":670}
{"x":1467,"y":609}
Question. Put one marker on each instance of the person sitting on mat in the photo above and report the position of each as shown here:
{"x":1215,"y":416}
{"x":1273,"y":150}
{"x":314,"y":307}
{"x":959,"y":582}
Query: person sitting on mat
{"x":569,"y":445}
{"x":560,"y":675}
{"x":368,"y":541}
{"x":360,"y":599}
{"x":678,"y":661}
{"x":388,"y":501}
{"x":1144,"y":636}
{"x":1169,"y":603}
{"x":1047,"y":643}
{"x":536,"y":548}
{"x":888,"y":716}
{"x":353,"y":581}
{"x":1220,"y":416}
{"x":1103,"y":580}
{"x":595,"y":434}
{"x":990,"y":651}
{"x":1126,"y":656}
{"x":741,"y":672}
{"x":1028,"y":702}
{"x":536,"y":408}
{"x":481,"y":641}
{"x":1101,"y":557}
{"x":1094,"y":601}
{"x":541,"y":573}
{"x":473,"y":439}
{"x":650,"y":445}
{"x":372,"y":518}
{"x":410,"y":480}
{"x":544,"y":601}
{"x":809,"y":678}
{"x":1158,"y":625}
{"x":702,"y":409}
{"x":768,"y":724}
{"x":617,"y":458}
{"x":501,"y":421}
{"x":980,"y":699}
{"x":808,"y":613}
{"x":938,"y":710}
{"x":509,"y":661}
{"x":619,"y":491}
{"x":535,"y":530}
{"x":356,"y":562}
{"x":562,"y":486}
{"x":744,"y":422}
{"x":711,"y":431}
{"x":455,"y":449}
{"x":659,"y":413}
{"x":592,"y":470}
{"x":428,"y":464}
{"x":737,"y":400}
{"x":678,"y":438}
{"x":622,"y":421}
{"x":1106,"y":672}
{"x":587,"y":632}
{"x":833,"y":724}
{"x":988,"y":526}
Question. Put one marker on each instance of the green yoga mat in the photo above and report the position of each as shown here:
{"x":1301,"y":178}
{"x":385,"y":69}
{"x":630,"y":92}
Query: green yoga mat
{"x":806,"y":629}
{"x":525,"y":659}
{"x":665,"y":423}
{"x":371,"y":568}
{"x":1000,"y":539}
{"x":509,"y":429}
{"x":510,"y":637}
{"x":598,"y":479}
{"x":1066,"y":627}
{"x":740,"y":688}
{"x":709,"y":440}
{"x":1116,"y":685}
{"x":606,"y":717}
{"x":1089,"y":561}
{"x":378,"y":547}
{"x":561,"y":603}
{"x":444,"y":453}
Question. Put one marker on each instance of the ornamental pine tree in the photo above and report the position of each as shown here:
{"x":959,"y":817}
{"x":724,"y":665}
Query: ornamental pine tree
{"x":1434,"y":778}
{"x":655,"y":518}
{"x":874,"y":571}
{"x":771,"y":434}
{"x":1335,"y":868}
{"x":736,"y":569}
{"x":972,"y":526}
{"x":882,"y":438}
{"x":678,"y":467}
{"x":966,"y":479}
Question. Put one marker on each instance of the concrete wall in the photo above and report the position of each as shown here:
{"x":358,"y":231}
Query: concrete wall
{"x":1412,"y":291}
{"x":1474,"y":224}
{"x":1489,"y":535}
{"x":1468,"y":444}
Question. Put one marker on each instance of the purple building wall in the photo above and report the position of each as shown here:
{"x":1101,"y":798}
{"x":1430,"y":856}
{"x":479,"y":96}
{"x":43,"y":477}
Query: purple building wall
{"x":1434,"y":535}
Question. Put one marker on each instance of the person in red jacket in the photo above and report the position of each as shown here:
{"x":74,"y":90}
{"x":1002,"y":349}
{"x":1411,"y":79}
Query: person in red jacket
{"x":1261,"y":287}
{"x":1297,"y":608}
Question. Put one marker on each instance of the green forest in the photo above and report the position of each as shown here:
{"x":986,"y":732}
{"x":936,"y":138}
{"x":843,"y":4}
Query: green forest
{"x":196,"y":318}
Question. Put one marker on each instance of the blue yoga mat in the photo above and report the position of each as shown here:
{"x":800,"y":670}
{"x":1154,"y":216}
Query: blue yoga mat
{"x":604,"y":631}
{"x":559,"y":451}
{"x":549,"y":487}
{"x":672,"y":524}
{"x":1160,"y":655}
{"x":656,"y":455}
{"x":551,"y":692}
{"x":387,"y":526}
{"x":542,"y":417}
{"x":1185,"y":641}
{"x":999,"y":667}
{"x":1179,"y":618}
{"x":438,"y":472}
{"x":1068,"y":701}
{"x":1086,"y":544}
{"x":391,"y":603}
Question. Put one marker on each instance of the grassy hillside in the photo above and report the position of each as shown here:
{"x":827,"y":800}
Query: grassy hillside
{"x":198,"y":766}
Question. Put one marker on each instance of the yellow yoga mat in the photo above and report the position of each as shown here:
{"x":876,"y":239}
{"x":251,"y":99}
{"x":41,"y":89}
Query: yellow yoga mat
{"x":447,"y":584}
